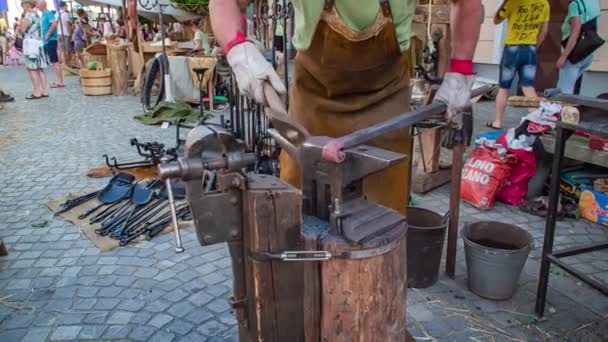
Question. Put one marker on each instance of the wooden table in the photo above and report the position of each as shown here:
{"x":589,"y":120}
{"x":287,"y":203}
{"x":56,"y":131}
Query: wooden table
{"x":593,"y":120}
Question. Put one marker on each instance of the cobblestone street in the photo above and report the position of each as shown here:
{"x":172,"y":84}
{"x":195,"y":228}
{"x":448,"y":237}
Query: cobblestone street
{"x":56,"y":285}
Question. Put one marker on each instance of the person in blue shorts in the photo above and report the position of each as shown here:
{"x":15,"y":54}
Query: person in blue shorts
{"x":49,"y":38}
{"x":528,"y":22}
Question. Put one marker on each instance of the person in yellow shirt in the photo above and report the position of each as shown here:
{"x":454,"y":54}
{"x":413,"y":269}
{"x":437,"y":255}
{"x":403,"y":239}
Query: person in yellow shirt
{"x":527,"y":28}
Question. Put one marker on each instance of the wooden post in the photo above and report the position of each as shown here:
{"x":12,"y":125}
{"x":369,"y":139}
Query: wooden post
{"x":273,"y":217}
{"x":120,"y":73}
{"x":440,"y":20}
{"x":428,"y":159}
{"x":550,"y":50}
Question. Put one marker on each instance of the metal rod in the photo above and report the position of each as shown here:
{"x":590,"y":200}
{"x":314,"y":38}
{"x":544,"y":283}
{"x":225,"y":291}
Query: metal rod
{"x":398,"y":122}
{"x":178,"y":239}
{"x":239,"y":291}
{"x":237,"y":122}
{"x":591,"y":102}
{"x":580,"y":250}
{"x":285,"y":50}
{"x":582,"y":277}
{"x":231,"y":103}
{"x":543,"y":277}
{"x":421,"y":148}
{"x":457,"y":163}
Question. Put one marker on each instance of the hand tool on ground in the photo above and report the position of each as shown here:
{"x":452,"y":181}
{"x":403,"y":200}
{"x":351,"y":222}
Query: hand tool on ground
{"x":117,"y":188}
{"x":151,"y":151}
{"x":74,"y":202}
{"x":156,"y":224}
{"x":106,"y":212}
{"x":113,"y":220}
{"x":147,"y":213}
{"x":140,"y":225}
{"x":140,"y":196}
{"x":109,"y":213}
{"x":154,"y":228}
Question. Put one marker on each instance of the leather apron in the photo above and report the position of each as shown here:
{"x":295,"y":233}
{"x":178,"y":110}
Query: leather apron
{"x":348,"y":80}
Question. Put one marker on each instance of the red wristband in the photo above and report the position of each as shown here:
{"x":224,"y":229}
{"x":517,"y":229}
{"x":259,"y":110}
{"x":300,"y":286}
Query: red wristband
{"x":239,"y":38}
{"x":462,"y":66}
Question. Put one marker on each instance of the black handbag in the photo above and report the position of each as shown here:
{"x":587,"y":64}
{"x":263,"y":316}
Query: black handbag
{"x":588,"y":40}
{"x":19,"y":43}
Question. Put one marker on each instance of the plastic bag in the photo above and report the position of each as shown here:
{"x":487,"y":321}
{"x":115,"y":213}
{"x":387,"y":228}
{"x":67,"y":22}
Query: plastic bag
{"x":484,"y":174}
{"x":515,"y":189}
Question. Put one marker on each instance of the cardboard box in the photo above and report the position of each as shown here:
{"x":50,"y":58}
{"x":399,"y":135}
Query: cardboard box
{"x":593,"y":205}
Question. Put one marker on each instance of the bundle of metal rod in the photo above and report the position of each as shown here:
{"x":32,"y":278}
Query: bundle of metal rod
{"x":74,"y":202}
{"x":129,"y":218}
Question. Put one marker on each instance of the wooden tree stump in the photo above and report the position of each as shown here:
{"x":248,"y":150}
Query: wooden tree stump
{"x":356,"y":299}
{"x":363,"y":299}
{"x":120,"y":73}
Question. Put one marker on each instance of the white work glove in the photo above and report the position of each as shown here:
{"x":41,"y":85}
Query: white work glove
{"x":455,"y":92}
{"x":251,"y":71}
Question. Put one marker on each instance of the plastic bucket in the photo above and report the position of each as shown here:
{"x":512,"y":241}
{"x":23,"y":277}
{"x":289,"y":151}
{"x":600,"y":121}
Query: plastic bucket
{"x":425,"y":235}
{"x":495,"y":255}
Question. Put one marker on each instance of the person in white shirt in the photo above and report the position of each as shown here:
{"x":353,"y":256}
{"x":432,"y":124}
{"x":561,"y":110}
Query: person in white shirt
{"x":106,"y":27}
{"x":64,"y":31}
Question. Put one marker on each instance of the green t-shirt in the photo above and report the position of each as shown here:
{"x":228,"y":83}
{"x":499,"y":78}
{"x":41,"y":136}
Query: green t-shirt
{"x":356,"y":14}
{"x":586,"y":9}
{"x":279,"y":27}
{"x":202,"y":36}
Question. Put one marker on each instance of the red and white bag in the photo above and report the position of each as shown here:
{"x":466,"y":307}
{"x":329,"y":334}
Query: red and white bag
{"x":516,"y":187}
{"x":486,"y":171}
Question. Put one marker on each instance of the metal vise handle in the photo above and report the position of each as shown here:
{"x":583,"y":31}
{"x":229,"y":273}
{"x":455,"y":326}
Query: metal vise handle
{"x":288,"y":133}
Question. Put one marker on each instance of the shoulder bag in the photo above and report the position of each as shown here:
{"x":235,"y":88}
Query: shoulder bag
{"x":588,"y":40}
{"x":32,"y":47}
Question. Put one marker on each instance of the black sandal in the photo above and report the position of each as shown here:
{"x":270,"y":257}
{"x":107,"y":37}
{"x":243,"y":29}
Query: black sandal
{"x":33,"y":97}
{"x":537,"y":207}
{"x":490,"y":124}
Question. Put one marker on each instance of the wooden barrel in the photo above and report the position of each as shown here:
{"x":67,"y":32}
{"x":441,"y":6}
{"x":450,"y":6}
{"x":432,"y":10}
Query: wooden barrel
{"x":96,"y":82}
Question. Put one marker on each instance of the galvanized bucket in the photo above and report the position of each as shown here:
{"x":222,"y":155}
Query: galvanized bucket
{"x":495,"y":256}
{"x":425,"y":235}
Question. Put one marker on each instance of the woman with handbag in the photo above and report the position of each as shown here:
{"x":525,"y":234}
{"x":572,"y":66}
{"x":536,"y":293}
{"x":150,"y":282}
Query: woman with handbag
{"x":580,"y":40}
{"x":35,"y":59}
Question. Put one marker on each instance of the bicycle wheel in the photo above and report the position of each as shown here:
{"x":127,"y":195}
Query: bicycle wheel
{"x":154,"y":85}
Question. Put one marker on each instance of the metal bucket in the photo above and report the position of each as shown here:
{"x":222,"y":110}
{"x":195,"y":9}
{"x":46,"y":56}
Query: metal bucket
{"x":495,"y":255}
{"x":425,"y":235}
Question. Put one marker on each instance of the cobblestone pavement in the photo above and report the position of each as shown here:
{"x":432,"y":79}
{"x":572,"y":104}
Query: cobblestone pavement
{"x":56,"y":285}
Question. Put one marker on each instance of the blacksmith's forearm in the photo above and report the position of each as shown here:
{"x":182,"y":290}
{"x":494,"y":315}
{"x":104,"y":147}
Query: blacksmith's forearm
{"x":465,"y":25}
{"x":225,"y":19}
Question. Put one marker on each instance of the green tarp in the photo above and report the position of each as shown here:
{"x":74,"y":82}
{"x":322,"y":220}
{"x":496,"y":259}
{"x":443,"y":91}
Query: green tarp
{"x":170,"y":112}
